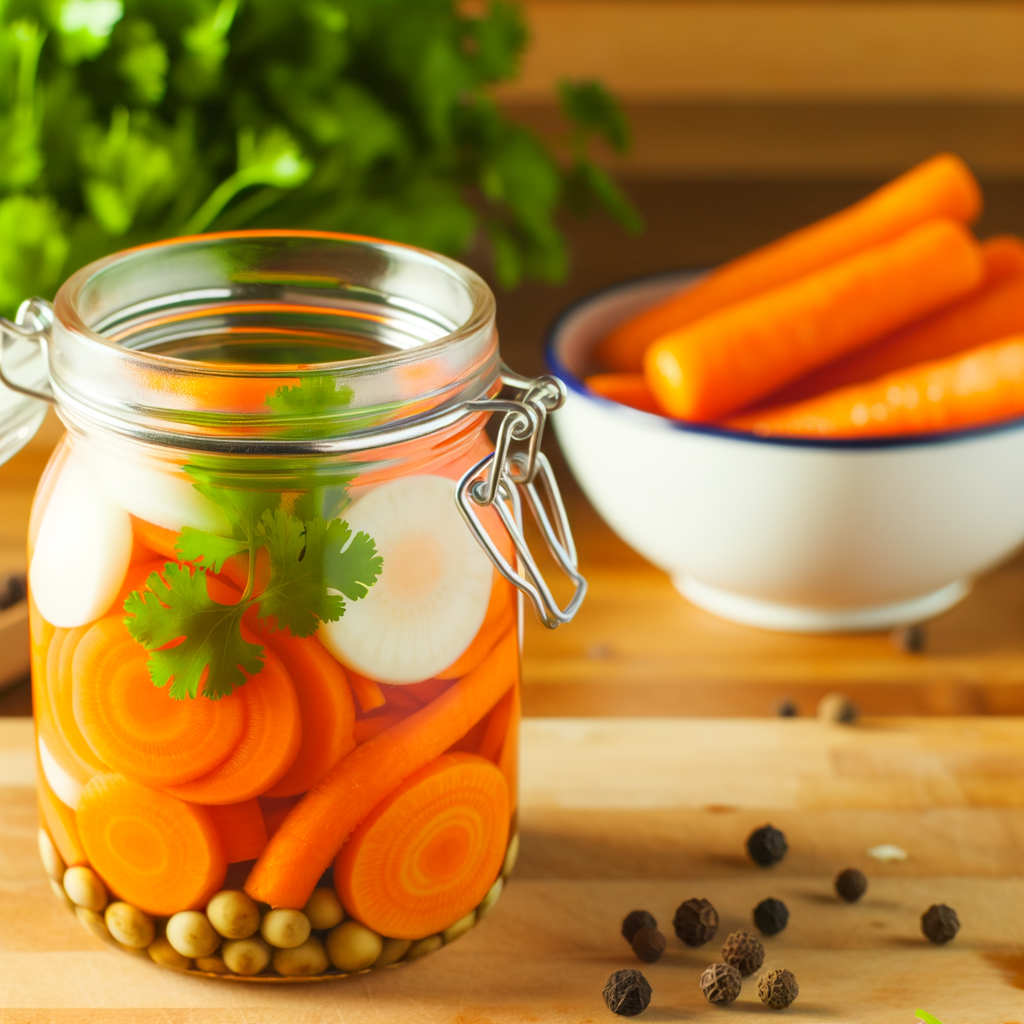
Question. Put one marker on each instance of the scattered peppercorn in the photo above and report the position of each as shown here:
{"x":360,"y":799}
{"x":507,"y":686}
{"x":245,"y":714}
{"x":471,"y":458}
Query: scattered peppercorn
{"x":778,"y":988}
{"x":696,"y":922}
{"x":851,"y":885}
{"x":771,"y":916}
{"x":788,"y":709}
{"x":940,"y":923}
{"x":910,"y":639}
{"x":766,"y":846}
{"x":627,"y":993}
{"x":744,"y":951}
{"x":721,"y":983}
{"x":836,"y":708}
{"x":634,"y":921}
{"x":648,"y":944}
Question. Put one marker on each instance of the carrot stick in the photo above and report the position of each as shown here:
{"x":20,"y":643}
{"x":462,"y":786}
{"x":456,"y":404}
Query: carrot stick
{"x":429,"y":851}
{"x":982,"y":386}
{"x":156,"y":852}
{"x":396,"y":699}
{"x":301,"y":850}
{"x":241,"y":829}
{"x":366,"y":728}
{"x":156,"y":538}
{"x":59,"y":820}
{"x":326,"y":709}
{"x":497,"y":728}
{"x":269,"y":744}
{"x":428,"y":690}
{"x":367,"y":692}
{"x":1003,"y":256}
{"x":625,"y":388}
{"x":989,"y":314}
{"x":500,"y":615}
{"x":724,"y":362}
{"x":939,"y":187}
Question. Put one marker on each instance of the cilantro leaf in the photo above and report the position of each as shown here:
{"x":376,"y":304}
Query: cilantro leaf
{"x":312,"y":396}
{"x":211,"y":647}
{"x":208,"y":548}
{"x":351,"y":567}
{"x":326,"y":502}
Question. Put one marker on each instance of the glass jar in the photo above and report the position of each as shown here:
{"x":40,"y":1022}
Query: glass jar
{"x":23,"y":373}
{"x":273,"y":573}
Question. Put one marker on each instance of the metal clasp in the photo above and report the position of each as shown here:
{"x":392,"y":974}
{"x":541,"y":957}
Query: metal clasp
{"x":502,"y":478}
{"x":31,"y":324}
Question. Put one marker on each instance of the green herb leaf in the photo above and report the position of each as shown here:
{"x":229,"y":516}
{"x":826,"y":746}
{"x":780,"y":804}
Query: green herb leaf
{"x":349,"y":566}
{"x":212,"y":551}
{"x":312,"y":396}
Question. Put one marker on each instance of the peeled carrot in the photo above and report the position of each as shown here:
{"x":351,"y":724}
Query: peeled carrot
{"x":428,"y":690}
{"x":366,"y":728}
{"x":69,"y":747}
{"x":940,"y":187}
{"x":724,"y":362}
{"x":396,"y":699}
{"x":498,"y":720}
{"x":501,"y":613}
{"x":326,"y":709}
{"x":155,"y":538}
{"x":426,"y":855}
{"x":156,"y":852}
{"x":508,"y":759}
{"x":366,"y":691}
{"x":302,"y":849}
{"x":975,"y":388}
{"x":275,"y":809}
{"x":60,"y":822}
{"x":625,"y":388}
{"x":1003,"y":256}
{"x":269,"y":744}
{"x":241,"y":828}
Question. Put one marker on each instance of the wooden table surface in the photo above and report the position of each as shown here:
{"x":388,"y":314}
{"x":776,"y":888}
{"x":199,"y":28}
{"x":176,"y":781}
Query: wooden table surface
{"x":620,"y":814}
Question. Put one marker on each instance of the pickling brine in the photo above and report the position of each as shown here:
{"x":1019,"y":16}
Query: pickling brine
{"x":275,"y":660}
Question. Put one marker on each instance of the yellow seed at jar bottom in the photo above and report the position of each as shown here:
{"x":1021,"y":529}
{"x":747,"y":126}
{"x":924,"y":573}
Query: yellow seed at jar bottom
{"x":352,"y":946}
{"x":212,"y":965}
{"x":163,"y":953}
{"x":58,"y":891}
{"x":129,"y":925}
{"x":491,"y":898}
{"x":92,"y":921}
{"x":302,"y":961}
{"x":191,"y":934}
{"x":511,"y":856}
{"x":143,"y":954}
{"x":284,"y":928}
{"x":52,"y":860}
{"x":233,"y":914}
{"x":393,"y":951}
{"x":463,"y":925}
{"x":246,"y":956}
{"x":421,"y":947}
{"x":84,"y":888}
{"x":324,"y":910}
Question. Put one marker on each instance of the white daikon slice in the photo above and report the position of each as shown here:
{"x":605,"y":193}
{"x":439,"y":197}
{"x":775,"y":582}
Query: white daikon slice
{"x":66,"y":789}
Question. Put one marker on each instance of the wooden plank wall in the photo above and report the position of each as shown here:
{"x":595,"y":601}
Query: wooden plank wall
{"x":833,"y":88}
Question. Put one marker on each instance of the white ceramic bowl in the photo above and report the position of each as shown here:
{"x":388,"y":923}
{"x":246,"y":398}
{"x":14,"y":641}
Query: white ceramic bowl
{"x":798,"y":535}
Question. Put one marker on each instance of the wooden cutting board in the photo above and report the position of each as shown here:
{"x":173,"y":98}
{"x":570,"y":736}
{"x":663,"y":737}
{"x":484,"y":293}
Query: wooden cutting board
{"x":620,"y":814}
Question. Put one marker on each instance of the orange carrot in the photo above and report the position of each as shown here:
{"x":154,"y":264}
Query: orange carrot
{"x":269,"y":744}
{"x":155,"y":538}
{"x":301,"y":850}
{"x":60,"y":822}
{"x":508,"y":759}
{"x":367,"y":692}
{"x":500,"y":615}
{"x":940,"y":187}
{"x":1003,"y":256}
{"x":426,"y":855}
{"x":366,"y":728}
{"x":428,"y":690}
{"x":156,"y":852}
{"x":625,"y":388}
{"x":69,"y":747}
{"x":498,"y":720}
{"x":398,"y":700}
{"x":275,"y":809}
{"x":975,"y":388}
{"x":724,"y":362}
{"x":325,"y":707}
{"x":989,"y":314}
{"x":241,"y":828}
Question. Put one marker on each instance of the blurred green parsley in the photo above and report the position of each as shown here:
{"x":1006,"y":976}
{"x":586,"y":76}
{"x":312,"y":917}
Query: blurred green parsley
{"x":124,"y":121}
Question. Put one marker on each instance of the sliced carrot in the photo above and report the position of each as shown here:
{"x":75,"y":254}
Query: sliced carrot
{"x":501,"y":614}
{"x":939,"y":187}
{"x":156,"y":852}
{"x":426,"y":855}
{"x":241,"y":828}
{"x":69,"y":747}
{"x":303,"y":847}
{"x":366,"y":728}
{"x":135,"y":727}
{"x":1003,"y":256}
{"x":396,"y":699}
{"x":275,"y":809}
{"x":155,"y":538}
{"x":269,"y":744}
{"x":367,"y":692}
{"x":326,"y":708}
{"x":498,"y":720}
{"x":982,"y":386}
{"x":724,"y":362}
{"x":625,"y":388}
{"x":470,"y":743}
{"x":60,"y":822}
{"x":508,"y":759}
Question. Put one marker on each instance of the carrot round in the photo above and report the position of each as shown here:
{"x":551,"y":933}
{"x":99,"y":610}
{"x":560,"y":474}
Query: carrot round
{"x":625,"y":388}
{"x":269,"y":744}
{"x":326,"y":709}
{"x":940,"y":187}
{"x":1003,"y":256}
{"x":724,"y":362}
{"x":508,"y":759}
{"x":304,"y":846}
{"x":60,"y":822}
{"x":982,"y":386}
{"x":426,"y":855}
{"x":70,"y":747}
{"x":242,"y":830}
{"x":156,"y":852}
{"x":501,"y":614}
{"x":155,"y":538}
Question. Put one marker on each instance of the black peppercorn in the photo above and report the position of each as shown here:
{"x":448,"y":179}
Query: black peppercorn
{"x":721,"y":983}
{"x":778,"y":988}
{"x":940,"y":923}
{"x":627,"y":993}
{"x":771,"y":916}
{"x":851,"y":885}
{"x":634,"y":921}
{"x":744,"y":951}
{"x":648,"y":944}
{"x":766,"y":846}
{"x":696,"y":922}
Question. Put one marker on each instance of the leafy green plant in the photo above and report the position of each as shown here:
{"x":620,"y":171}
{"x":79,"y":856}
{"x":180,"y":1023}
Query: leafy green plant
{"x":124,"y":121}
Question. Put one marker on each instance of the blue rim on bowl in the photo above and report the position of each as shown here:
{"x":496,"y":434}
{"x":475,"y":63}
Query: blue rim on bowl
{"x":574,"y":383}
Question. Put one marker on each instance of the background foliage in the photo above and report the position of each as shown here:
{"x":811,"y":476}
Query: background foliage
{"x":122,"y":121}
